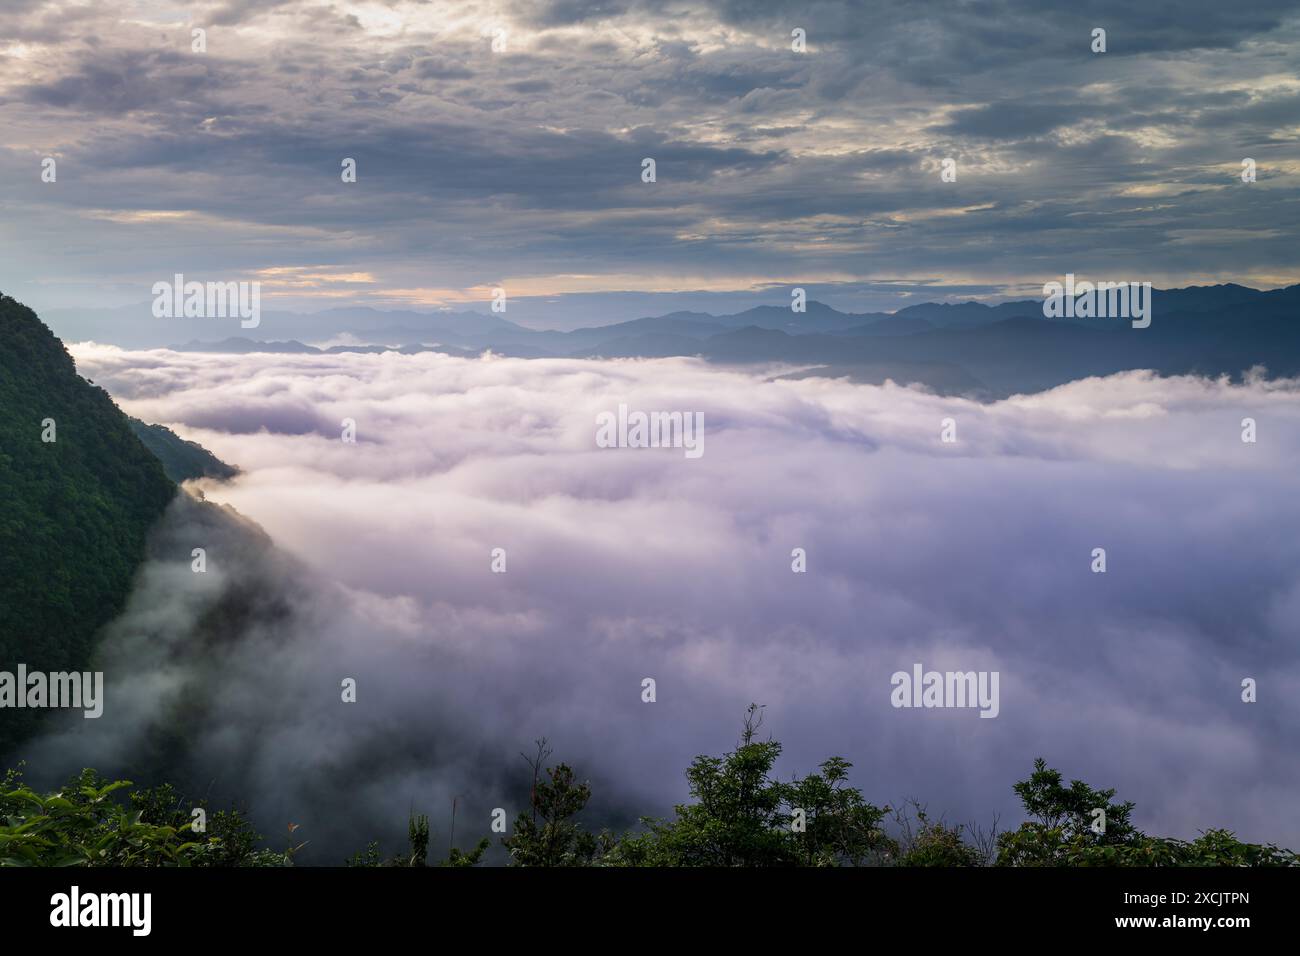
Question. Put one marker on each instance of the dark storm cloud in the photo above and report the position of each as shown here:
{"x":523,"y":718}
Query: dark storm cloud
{"x":1158,"y":25}
{"x":1013,"y":120}
{"x":117,"y":82}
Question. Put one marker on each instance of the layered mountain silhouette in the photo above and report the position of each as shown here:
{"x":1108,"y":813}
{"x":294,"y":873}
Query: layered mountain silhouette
{"x":967,"y":348}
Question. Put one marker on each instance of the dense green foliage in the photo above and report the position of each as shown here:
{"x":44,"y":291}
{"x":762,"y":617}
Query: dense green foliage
{"x":1064,"y":830}
{"x":926,"y":842}
{"x":84,"y":823}
{"x":182,"y":460}
{"x":74,"y":512}
{"x":742,"y":816}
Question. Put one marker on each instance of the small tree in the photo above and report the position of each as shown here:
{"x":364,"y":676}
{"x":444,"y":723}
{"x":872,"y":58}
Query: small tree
{"x":744,"y":817}
{"x":548,"y":835}
{"x":927,"y":842}
{"x":1073,"y":809}
{"x":841,"y":828}
{"x":1065,"y":822}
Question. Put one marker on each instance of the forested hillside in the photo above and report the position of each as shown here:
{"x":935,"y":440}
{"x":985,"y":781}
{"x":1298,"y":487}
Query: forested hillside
{"x":78,"y":493}
{"x":182,"y":460}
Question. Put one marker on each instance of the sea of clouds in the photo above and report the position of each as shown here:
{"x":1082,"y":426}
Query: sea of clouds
{"x":627,"y":563}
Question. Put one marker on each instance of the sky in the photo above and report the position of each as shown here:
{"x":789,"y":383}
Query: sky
{"x":628,"y":563}
{"x":521,"y":168}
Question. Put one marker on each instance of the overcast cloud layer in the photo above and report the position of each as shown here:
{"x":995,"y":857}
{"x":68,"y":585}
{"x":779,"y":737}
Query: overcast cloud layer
{"x":522,"y":168}
{"x":633,"y":563}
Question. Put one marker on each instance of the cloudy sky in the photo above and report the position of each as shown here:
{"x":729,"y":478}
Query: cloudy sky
{"x":522,"y":167}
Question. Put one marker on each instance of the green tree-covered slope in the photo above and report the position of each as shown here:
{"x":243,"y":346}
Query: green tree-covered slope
{"x":74,"y":511}
{"x":182,"y":460}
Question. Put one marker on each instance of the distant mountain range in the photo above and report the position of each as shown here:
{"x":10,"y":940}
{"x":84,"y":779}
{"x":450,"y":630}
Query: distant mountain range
{"x":966,"y":348}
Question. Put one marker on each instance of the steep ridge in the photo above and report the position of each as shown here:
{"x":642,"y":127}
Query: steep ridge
{"x":78,"y":494}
